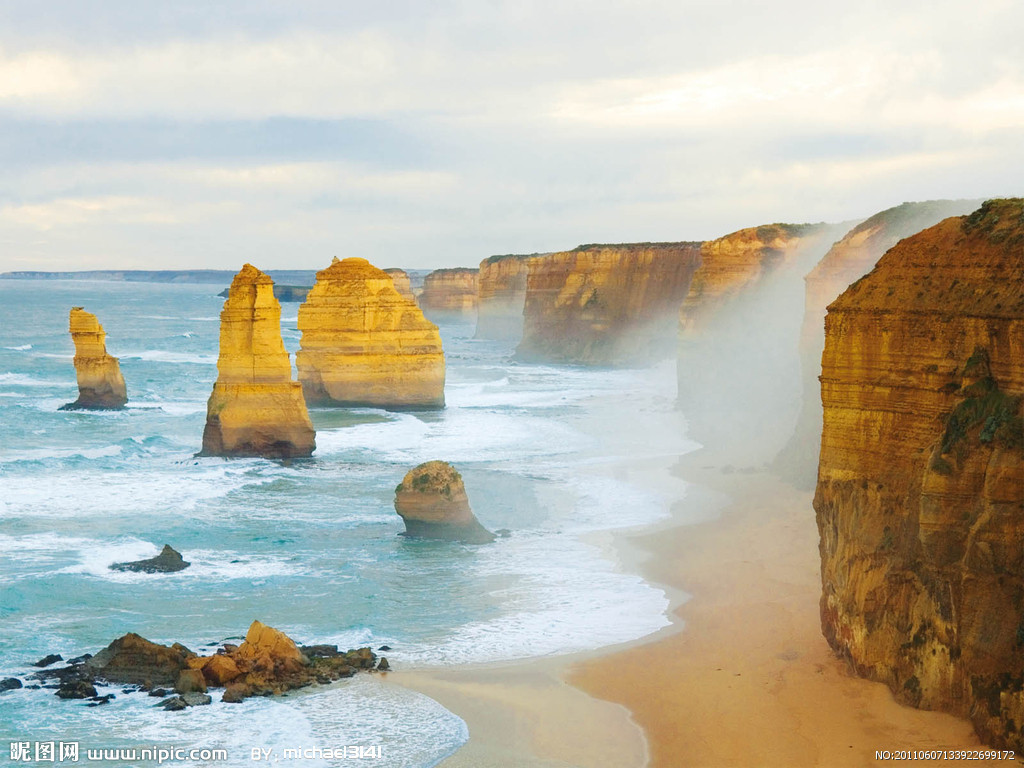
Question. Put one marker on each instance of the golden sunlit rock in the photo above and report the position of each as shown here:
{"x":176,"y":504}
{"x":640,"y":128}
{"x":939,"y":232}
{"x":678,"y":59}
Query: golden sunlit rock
{"x":100,"y":383}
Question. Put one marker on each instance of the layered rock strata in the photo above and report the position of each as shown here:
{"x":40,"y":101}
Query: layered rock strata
{"x":256,"y":409}
{"x":605,"y":304}
{"x":449,"y":293}
{"x":402,"y":282}
{"x":501,"y":296}
{"x":846,"y":261}
{"x":365,"y":344}
{"x":432,"y":501}
{"x":920,"y":495}
{"x":100,"y":383}
{"x":738,"y":368}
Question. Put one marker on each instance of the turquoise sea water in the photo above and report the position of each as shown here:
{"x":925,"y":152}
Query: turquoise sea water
{"x":312,"y":547}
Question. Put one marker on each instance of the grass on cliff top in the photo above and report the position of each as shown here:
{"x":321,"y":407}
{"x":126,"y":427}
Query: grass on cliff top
{"x":1001,"y":219}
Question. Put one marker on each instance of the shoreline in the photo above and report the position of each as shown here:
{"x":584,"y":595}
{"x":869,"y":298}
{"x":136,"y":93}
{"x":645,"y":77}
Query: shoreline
{"x":742,"y":676}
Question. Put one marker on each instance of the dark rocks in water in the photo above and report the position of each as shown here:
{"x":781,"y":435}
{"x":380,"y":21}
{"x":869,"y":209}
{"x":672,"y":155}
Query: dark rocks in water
{"x":80,"y":659}
{"x":319,"y":651}
{"x":503,"y":533}
{"x":10,"y":684}
{"x":168,"y":561}
{"x":173,"y":704}
{"x":46,"y":661}
{"x":99,"y":701}
{"x":384,"y":648}
{"x":159,"y":693}
{"x":77,"y":689}
{"x":134,"y":659}
{"x":383,"y":665}
{"x":196,"y":699}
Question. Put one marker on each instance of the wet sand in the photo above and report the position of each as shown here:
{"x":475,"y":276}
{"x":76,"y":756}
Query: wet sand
{"x":742,"y":678}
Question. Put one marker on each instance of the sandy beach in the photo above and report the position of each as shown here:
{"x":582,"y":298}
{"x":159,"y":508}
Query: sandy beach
{"x":742,"y":678}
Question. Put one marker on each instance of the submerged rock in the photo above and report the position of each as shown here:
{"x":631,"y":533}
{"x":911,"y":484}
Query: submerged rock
{"x":256,"y":409}
{"x":168,"y":561}
{"x":46,"y":661}
{"x":10,"y":684}
{"x":432,"y":501}
{"x":100,"y":383}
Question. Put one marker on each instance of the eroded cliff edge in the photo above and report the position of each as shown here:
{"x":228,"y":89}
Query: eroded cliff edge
{"x":846,"y":261}
{"x":606,"y":304}
{"x":501,"y":296}
{"x":255,"y":409}
{"x":920,"y":495}
{"x":449,"y":293}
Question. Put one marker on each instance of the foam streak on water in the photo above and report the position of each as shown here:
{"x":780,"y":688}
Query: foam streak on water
{"x":554,"y":454}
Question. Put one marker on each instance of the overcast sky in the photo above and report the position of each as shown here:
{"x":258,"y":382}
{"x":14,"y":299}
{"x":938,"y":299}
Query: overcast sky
{"x":414,"y":134}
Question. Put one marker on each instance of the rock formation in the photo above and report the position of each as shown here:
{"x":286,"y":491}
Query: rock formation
{"x":267,"y":663}
{"x":501,"y":296}
{"x":100,"y":383}
{"x":168,"y":561}
{"x":606,"y":304}
{"x":402,"y":283}
{"x":432,"y":501}
{"x":848,"y":260}
{"x":256,"y":409}
{"x":281,"y":292}
{"x":449,"y":293}
{"x":738,"y":368}
{"x":363,"y":343}
{"x":920,"y":496}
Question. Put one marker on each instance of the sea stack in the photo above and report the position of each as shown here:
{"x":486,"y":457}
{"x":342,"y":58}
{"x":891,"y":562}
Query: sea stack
{"x":501,"y":296}
{"x":847,"y":260}
{"x":920,"y":495}
{"x":402,"y":282}
{"x":450,"y":293}
{"x":606,"y":304}
{"x":365,"y":344}
{"x":432,"y":501}
{"x":100,"y":383}
{"x":256,"y":409}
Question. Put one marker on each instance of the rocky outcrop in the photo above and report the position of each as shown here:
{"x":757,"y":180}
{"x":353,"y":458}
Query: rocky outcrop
{"x":100,"y":383}
{"x":920,"y":495}
{"x":846,"y":261}
{"x":738,"y":368}
{"x":606,"y":304}
{"x":402,"y":283}
{"x":501,"y":296}
{"x":168,"y":561}
{"x":267,"y":663}
{"x":365,"y":344}
{"x":449,"y":293}
{"x":432,"y":501}
{"x":256,"y":409}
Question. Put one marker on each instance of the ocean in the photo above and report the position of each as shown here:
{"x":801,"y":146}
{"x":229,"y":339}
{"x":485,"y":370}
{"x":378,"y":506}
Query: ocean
{"x":311,"y":547}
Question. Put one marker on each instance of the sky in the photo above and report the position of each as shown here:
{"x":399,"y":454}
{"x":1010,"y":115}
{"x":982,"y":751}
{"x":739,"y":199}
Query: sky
{"x":198,"y":135}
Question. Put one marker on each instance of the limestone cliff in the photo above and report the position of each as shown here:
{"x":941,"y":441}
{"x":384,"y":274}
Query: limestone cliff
{"x":402,"y":283}
{"x":738,"y":368}
{"x":256,"y":409}
{"x":605,"y":304}
{"x":449,"y":293}
{"x":920,"y":496}
{"x":364,"y":343}
{"x":848,"y":260}
{"x":100,"y":383}
{"x":501,"y":296}
{"x":432,"y":501}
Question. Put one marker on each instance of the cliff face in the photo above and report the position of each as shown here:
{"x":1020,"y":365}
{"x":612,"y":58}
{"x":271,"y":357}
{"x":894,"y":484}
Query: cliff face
{"x":501,"y":296}
{"x":432,"y":501}
{"x":848,"y":260}
{"x":738,"y":368}
{"x":449,"y":293}
{"x":100,"y":383}
{"x":363,"y":343}
{"x":256,"y":409}
{"x":605,"y":304}
{"x":402,"y":283}
{"x":920,"y":496}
